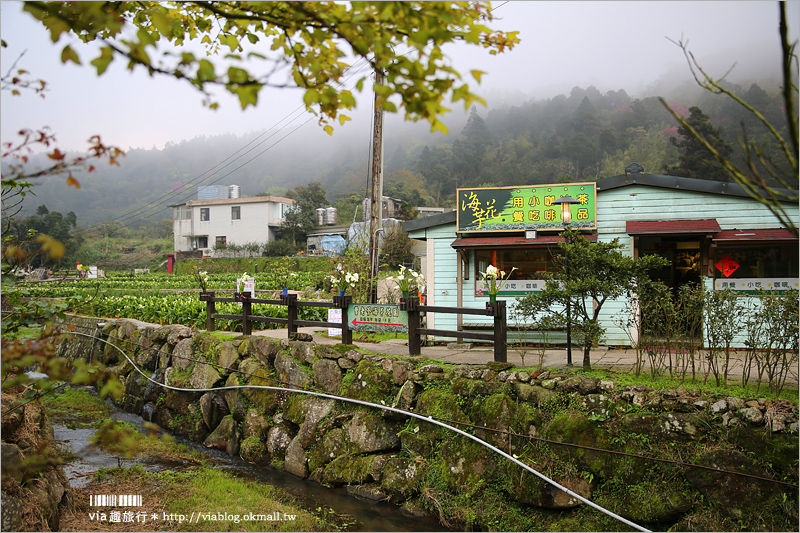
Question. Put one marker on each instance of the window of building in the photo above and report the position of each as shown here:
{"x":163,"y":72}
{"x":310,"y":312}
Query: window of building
{"x":202,"y":242}
{"x":531,"y":263}
{"x":754,"y":260}
{"x":236,"y":212}
{"x":204,"y":214}
{"x":182,"y":213}
{"x":222,"y":241}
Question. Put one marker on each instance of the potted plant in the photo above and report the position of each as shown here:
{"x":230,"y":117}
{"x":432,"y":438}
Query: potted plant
{"x":408,"y":279}
{"x":493,"y":280}
{"x":343,"y":279}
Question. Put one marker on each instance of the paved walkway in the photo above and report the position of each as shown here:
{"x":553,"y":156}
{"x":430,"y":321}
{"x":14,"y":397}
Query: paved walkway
{"x":462,"y":353}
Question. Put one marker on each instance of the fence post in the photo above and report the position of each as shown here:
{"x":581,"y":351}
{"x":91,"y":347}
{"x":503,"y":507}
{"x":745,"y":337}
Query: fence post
{"x":500,"y":347}
{"x":343,"y":302}
{"x":247,"y":327}
{"x":412,"y":306}
{"x":290,"y":301}
{"x":211,"y":309}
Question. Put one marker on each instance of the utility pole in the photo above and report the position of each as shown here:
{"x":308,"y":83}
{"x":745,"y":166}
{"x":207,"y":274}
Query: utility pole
{"x":376,"y":196}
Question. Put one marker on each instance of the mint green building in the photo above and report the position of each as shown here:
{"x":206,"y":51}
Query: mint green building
{"x":711,"y":232}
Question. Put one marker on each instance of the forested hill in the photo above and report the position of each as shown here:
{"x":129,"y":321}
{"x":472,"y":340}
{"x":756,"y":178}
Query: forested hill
{"x":581,"y":136}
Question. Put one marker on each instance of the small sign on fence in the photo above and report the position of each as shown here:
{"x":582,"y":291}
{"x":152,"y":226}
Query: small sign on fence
{"x":334,"y":315}
{"x":381,"y":318}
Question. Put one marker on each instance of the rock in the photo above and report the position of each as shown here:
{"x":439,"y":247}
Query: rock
{"x":368,"y":492}
{"x":255,"y":425}
{"x":183,"y":354}
{"x":570,"y":384}
{"x":345,"y":363}
{"x":778,"y":423}
{"x":180,"y":401}
{"x":368,"y":433}
{"x":148,"y":411}
{"x":295,"y":462}
{"x":399,"y":476}
{"x":533,"y":393}
{"x":278,"y":440}
{"x":10,"y":460}
{"x":753,"y":415}
{"x":349,"y":469}
{"x":354,"y":356}
{"x":228,"y":358}
{"x":734,"y":404}
{"x":734,"y":496}
{"x":606,"y":386}
{"x":316,"y":410}
{"x":153,"y":390}
{"x":719,"y":407}
{"x":225,"y":437}
{"x":264,"y":350}
{"x":205,"y":341}
{"x":523,"y":376}
{"x":289,"y":371}
{"x":531,"y":490}
{"x":253,"y":451}
{"x":431,"y":368}
{"x":588,"y":386}
{"x":405,"y":397}
{"x":498,"y":366}
{"x":11,"y":510}
{"x":387,"y":364}
{"x":301,"y":337}
{"x":204,"y":376}
{"x":303,"y":352}
{"x":327,"y":375}
{"x":400,"y":371}
{"x":213,"y":408}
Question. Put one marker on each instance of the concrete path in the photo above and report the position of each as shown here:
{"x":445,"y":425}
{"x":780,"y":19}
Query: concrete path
{"x":461,"y":353}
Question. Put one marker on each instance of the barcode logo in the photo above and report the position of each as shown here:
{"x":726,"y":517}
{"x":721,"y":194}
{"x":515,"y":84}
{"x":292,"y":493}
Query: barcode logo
{"x":115,"y":500}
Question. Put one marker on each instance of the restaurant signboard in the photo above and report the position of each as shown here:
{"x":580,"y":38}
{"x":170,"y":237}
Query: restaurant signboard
{"x":530,"y":207}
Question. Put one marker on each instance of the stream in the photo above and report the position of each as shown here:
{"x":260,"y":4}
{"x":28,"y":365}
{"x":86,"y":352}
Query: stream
{"x":365,"y":515}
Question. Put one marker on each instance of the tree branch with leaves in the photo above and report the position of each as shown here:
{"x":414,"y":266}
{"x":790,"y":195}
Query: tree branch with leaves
{"x":772,"y":183}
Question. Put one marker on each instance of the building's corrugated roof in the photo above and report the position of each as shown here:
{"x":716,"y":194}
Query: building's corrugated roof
{"x":755,"y":235}
{"x":678,"y":183}
{"x":660,"y":227}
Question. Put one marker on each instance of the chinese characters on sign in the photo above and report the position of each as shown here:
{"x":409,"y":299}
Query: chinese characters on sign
{"x":524,"y":208}
{"x":381,"y":318}
{"x":753,"y":285}
{"x":516,"y":287}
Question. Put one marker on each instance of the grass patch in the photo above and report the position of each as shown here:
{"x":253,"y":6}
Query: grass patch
{"x":237,"y":504}
{"x":76,"y":402}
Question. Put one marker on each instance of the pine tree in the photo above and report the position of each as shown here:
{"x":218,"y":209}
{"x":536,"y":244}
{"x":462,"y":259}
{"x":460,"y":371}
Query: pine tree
{"x":694,"y":161}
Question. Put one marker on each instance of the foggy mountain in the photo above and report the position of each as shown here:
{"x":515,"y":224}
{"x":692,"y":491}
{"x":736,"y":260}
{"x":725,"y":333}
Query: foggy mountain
{"x":580,"y":134}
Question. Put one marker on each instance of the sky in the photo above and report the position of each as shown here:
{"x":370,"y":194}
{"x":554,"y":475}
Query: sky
{"x":611,"y":45}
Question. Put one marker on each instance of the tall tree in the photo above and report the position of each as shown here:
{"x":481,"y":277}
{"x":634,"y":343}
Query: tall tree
{"x":694,"y":159}
{"x":300,"y":219}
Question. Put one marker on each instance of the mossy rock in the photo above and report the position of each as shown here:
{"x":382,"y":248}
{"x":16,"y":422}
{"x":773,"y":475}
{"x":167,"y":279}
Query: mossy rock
{"x":205,"y":342}
{"x":325,"y":450}
{"x":466,"y":466}
{"x":294,"y":410}
{"x":369,"y":383}
{"x":497,"y":412}
{"x":423,"y":438}
{"x":399,"y":477}
{"x":266,"y":400}
{"x":780,"y":450}
{"x":348,"y":469}
{"x":640,"y":504}
{"x":477,"y":387}
{"x":575,"y":428}
{"x":253,"y":450}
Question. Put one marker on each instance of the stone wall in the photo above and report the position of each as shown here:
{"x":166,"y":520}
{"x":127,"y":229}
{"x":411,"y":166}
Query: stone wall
{"x":383,"y":455}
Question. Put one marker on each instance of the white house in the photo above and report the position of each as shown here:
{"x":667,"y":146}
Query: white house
{"x":204,"y":224}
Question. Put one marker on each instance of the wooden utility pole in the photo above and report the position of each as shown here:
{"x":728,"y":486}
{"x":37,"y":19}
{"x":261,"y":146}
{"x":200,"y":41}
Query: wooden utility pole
{"x":376,"y":196}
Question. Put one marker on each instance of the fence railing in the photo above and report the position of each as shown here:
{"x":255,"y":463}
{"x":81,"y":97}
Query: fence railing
{"x":291,"y":321}
{"x":415,"y":311}
{"x":496,"y":310}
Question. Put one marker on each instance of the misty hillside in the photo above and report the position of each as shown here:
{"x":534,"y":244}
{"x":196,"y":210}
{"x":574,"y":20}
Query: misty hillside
{"x":581,"y":136}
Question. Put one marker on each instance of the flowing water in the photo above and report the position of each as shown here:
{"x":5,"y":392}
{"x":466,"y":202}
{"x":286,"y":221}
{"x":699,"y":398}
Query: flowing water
{"x":365,"y":515}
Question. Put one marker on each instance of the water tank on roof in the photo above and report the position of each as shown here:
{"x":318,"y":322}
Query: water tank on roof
{"x":330,"y":216}
{"x":234,"y":191}
{"x":320,"y":216}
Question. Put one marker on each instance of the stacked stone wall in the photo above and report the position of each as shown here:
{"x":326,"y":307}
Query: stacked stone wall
{"x":384,"y":455}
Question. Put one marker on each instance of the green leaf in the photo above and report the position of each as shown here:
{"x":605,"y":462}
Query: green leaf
{"x":101,"y":63}
{"x":68,"y":54}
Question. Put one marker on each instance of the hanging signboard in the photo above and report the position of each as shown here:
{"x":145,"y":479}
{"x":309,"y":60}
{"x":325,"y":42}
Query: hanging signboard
{"x":525,"y":208}
{"x":381,"y":318}
{"x":756,"y":285}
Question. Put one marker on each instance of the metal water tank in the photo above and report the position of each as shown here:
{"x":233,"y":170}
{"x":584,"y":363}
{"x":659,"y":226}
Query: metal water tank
{"x":320,"y":216}
{"x":234,"y":191}
{"x":330,"y":216}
